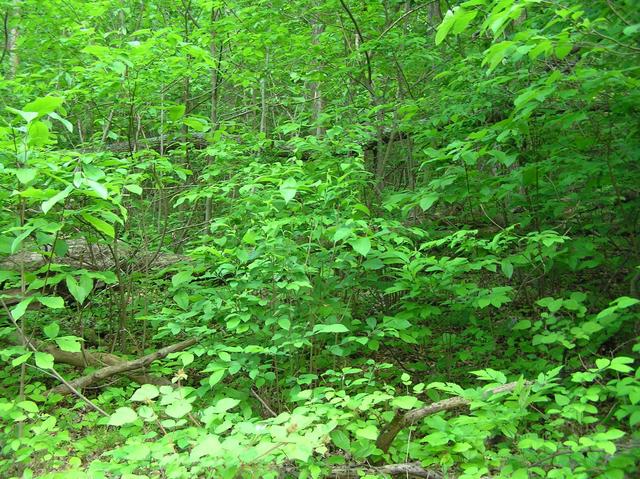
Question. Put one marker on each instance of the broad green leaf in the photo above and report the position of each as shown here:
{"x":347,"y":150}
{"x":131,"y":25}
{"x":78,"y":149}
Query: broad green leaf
{"x":21,"y":308}
{"x":53,"y":302}
{"x":368,"y":432}
{"x":626,"y":302}
{"x":174,"y":113}
{"x":66,"y":123}
{"x":178,"y":409}
{"x":100,"y":225}
{"x":51,"y":330}
{"x":79,"y":290}
{"x":51,"y":202}
{"x":445,"y":26}
{"x":361,"y":245}
{"x":134,"y":189}
{"x":45,"y":105}
{"x":23,"y":358}
{"x":404,"y":402}
{"x":463,"y":18}
{"x":146,"y":392}
{"x":330,"y":328}
{"x":71,"y":344}
{"x":341,"y":440}
{"x":284,"y":323}
{"x":225,"y":404}
{"x":507,"y":268}
{"x":98,"y":188}
{"x":288,"y":189}
{"x":122,"y":416}
{"x":38,"y":134}
{"x":26,"y":175}
{"x":216,"y":376}
{"x":44,"y":360}
{"x":181,"y":278}
{"x":28,"y":406}
{"x":27,"y":116}
{"x":427,"y":201}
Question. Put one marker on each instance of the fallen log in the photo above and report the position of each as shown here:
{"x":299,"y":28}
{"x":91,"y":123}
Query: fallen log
{"x":409,"y":469}
{"x":95,"y":257}
{"x":115,"y":366}
{"x":402,"y":420}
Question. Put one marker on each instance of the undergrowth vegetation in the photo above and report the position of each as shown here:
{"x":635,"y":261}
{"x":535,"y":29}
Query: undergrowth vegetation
{"x":277,"y":239}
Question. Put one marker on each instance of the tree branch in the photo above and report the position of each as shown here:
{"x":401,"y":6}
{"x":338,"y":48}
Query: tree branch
{"x":123,"y":367}
{"x":402,"y":420}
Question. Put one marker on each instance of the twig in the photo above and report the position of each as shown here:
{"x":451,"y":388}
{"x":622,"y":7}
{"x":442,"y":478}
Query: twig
{"x":263,"y":402}
{"x":124,"y":367}
{"x":406,"y":14}
{"x":53,"y":371}
{"x":402,"y":420}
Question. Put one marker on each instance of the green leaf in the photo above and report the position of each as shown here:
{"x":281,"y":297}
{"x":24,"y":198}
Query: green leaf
{"x":134,"y":189}
{"x":23,"y":358}
{"x":70,"y":344}
{"x":225,"y":404}
{"x":361,"y":245}
{"x":123,"y":415}
{"x":66,"y":123}
{"x":341,"y":440}
{"x":26,"y":175}
{"x":51,"y":202}
{"x":284,"y":323}
{"x":404,"y":402}
{"x":216,"y":376}
{"x":98,"y":188}
{"x":27,"y":116}
{"x":100,"y":225}
{"x":621,"y":364}
{"x":427,"y":201}
{"x":330,"y":328}
{"x":44,"y":360}
{"x":288,"y":189}
{"x":626,"y":302}
{"x":178,"y":409}
{"x":53,"y":302}
{"x":445,"y":26}
{"x":38,"y":134}
{"x":507,"y":268}
{"x":52,"y":330}
{"x":181,"y":278}
{"x":463,"y":19}
{"x":28,"y":406}
{"x":368,"y":432}
{"x":45,"y":105}
{"x":174,"y":113}
{"x":146,"y":392}
{"x":79,"y":290}
{"x":182,"y":299}
{"x":21,"y":308}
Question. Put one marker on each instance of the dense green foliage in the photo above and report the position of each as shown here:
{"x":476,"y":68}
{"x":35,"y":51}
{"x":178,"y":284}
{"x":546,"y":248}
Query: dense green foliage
{"x":350,"y":210}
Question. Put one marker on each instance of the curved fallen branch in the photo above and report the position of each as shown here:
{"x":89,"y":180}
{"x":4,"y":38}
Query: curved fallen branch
{"x":402,"y":420}
{"x":120,"y":367}
{"x":409,"y":469}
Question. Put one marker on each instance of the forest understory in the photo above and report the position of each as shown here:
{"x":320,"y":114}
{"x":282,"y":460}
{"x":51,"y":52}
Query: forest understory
{"x":319,"y":239}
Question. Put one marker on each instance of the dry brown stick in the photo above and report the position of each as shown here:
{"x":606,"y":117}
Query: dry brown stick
{"x":263,"y":402}
{"x":410,"y":469}
{"x":109,"y":371}
{"x":99,"y":359}
{"x":402,"y":420}
{"x":56,"y":374}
